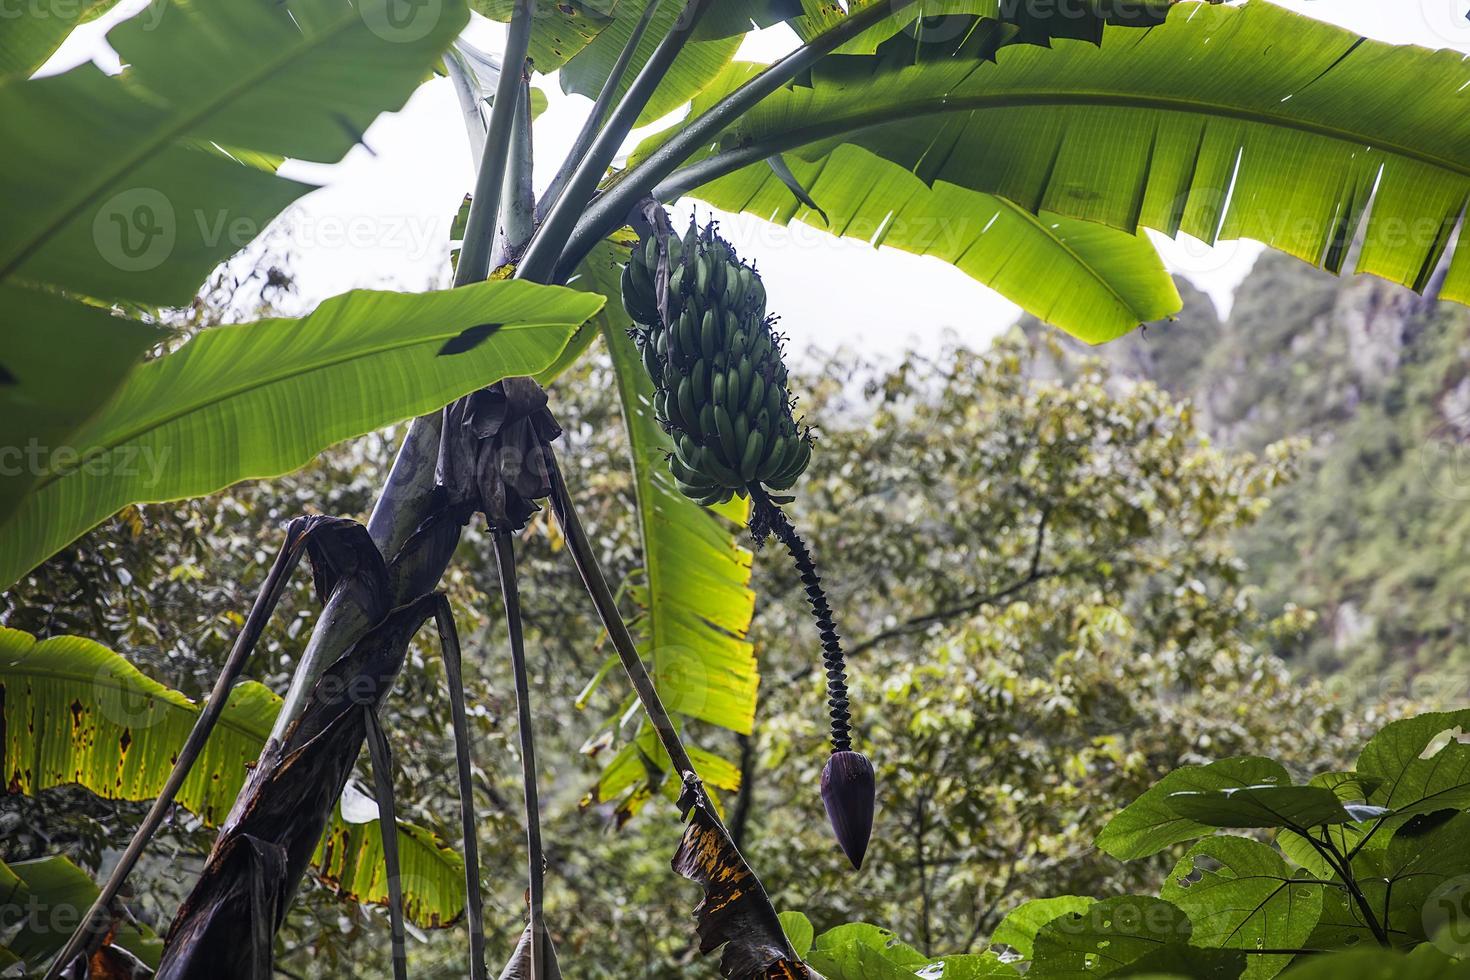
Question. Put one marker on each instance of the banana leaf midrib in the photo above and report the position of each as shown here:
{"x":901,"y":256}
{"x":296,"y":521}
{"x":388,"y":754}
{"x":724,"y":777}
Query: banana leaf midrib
{"x":217,"y":396}
{"x":939,"y":105}
{"x":1092,"y":269}
{"x":165,"y":136}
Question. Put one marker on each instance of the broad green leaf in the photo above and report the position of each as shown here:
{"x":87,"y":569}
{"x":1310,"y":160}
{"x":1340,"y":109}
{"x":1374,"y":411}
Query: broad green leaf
{"x":941,"y":20}
{"x":1106,"y":937}
{"x":628,"y":770}
{"x":1425,"y":963}
{"x":695,"y":588}
{"x":1180,"y":961}
{"x":135,"y":187}
{"x":966,"y":966}
{"x":45,"y":898}
{"x":799,"y":931}
{"x":76,"y":712}
{"x":1350,"y":787}
{"x":1268,"y":806}
{"x":740,"y":16}
{"x":1416,"y":884}
{"x":1019,"y":928}
{"x":1208,"y":124}
{"x":561,"y":28}
{"x":34,"y":31}
{"x":1242,"y":895}
{"x":1422,"y":762}
{"x":261,"y":399}
{"x":695,"y":67}
{"x":858,"y":951}
{"x":46,"y":391}
{"x":1094,"y":282}
{"x":696,"y":594}
{"x":1151,"y":823}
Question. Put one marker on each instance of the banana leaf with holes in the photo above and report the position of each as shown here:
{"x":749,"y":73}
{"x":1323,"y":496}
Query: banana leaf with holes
{"x":1211,"y":124}
{"x":74,"y":712}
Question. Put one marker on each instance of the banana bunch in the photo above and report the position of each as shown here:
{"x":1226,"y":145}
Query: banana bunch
{"x":718,"y":376}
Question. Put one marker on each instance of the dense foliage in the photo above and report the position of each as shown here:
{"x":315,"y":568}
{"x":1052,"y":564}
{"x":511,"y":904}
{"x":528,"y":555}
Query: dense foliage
{"x":1013,"y":694}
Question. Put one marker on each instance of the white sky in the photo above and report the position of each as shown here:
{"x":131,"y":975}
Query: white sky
{"x":382,"y":218}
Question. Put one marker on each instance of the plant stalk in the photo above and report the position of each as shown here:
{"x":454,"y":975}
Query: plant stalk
{"x":546,"y":248}
{"x":265,"y":603}
{"x":770,"y":516}
{"x":610,"y":210}
{"x":612,"y":621}
{"x":469,"y":826}
{"x":479,"y":235}
{"x":593,"y":122}
{"x":388,"y":829}
{"x":518,"y":203}
{"x":505,"y":557}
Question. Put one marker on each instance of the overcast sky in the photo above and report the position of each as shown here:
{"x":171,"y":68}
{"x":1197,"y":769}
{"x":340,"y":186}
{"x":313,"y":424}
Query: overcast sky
{"x":382,"y":218}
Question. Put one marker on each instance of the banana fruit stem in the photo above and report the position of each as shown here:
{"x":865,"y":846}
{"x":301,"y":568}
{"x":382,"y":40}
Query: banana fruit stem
{"x":770,"y":517}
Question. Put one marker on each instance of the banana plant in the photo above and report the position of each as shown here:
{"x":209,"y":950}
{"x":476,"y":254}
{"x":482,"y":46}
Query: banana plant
{"x":1032,"y":150}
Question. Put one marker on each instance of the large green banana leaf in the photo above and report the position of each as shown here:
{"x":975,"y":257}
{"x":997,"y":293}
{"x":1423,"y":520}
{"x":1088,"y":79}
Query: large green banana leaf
{"x":1092,"y":281}
{"x":135,"y":187}
{"x":695,"y":67}
{"x":1030,"y":22}
{"x":563,"y":29}
{"x":260,"y":399}
{"x":43,"y":899}
{"x":32,"y":34}
{"x":76,"y":712}
{"x":1225,"y":122}
{"x":62,"y":361}
{"x":695,"y":586}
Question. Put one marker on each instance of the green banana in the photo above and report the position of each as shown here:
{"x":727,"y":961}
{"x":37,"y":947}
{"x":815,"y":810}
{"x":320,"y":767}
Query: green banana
{"x":719,"y":379}
{"x":725,"y":429}
{"x":755,"y":449}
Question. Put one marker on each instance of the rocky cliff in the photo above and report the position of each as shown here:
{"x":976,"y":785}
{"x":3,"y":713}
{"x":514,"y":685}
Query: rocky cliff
{"x":1375,"y":535}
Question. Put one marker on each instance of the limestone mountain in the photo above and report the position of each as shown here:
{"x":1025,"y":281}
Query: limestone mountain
{"x":1373,"y":537}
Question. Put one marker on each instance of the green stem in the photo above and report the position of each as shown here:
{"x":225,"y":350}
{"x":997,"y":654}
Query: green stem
{"x":610,"y":210}
{"x":97,"y":917}
{"x":518,"y":210}
{"x":593,"y":122}
{"x":388,"y":829}
{"x":1344,"y":869}
{"x":454,"y":680}
{"x":505,"y":557}
{"x":617,"y":630}
{"x":540,"y":261}
{"x":479,"y":235}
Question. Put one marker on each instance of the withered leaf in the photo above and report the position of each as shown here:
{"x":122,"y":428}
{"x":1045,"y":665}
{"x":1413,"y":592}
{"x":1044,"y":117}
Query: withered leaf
{"x":518,"y":967}
{"x":736,"y":912}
